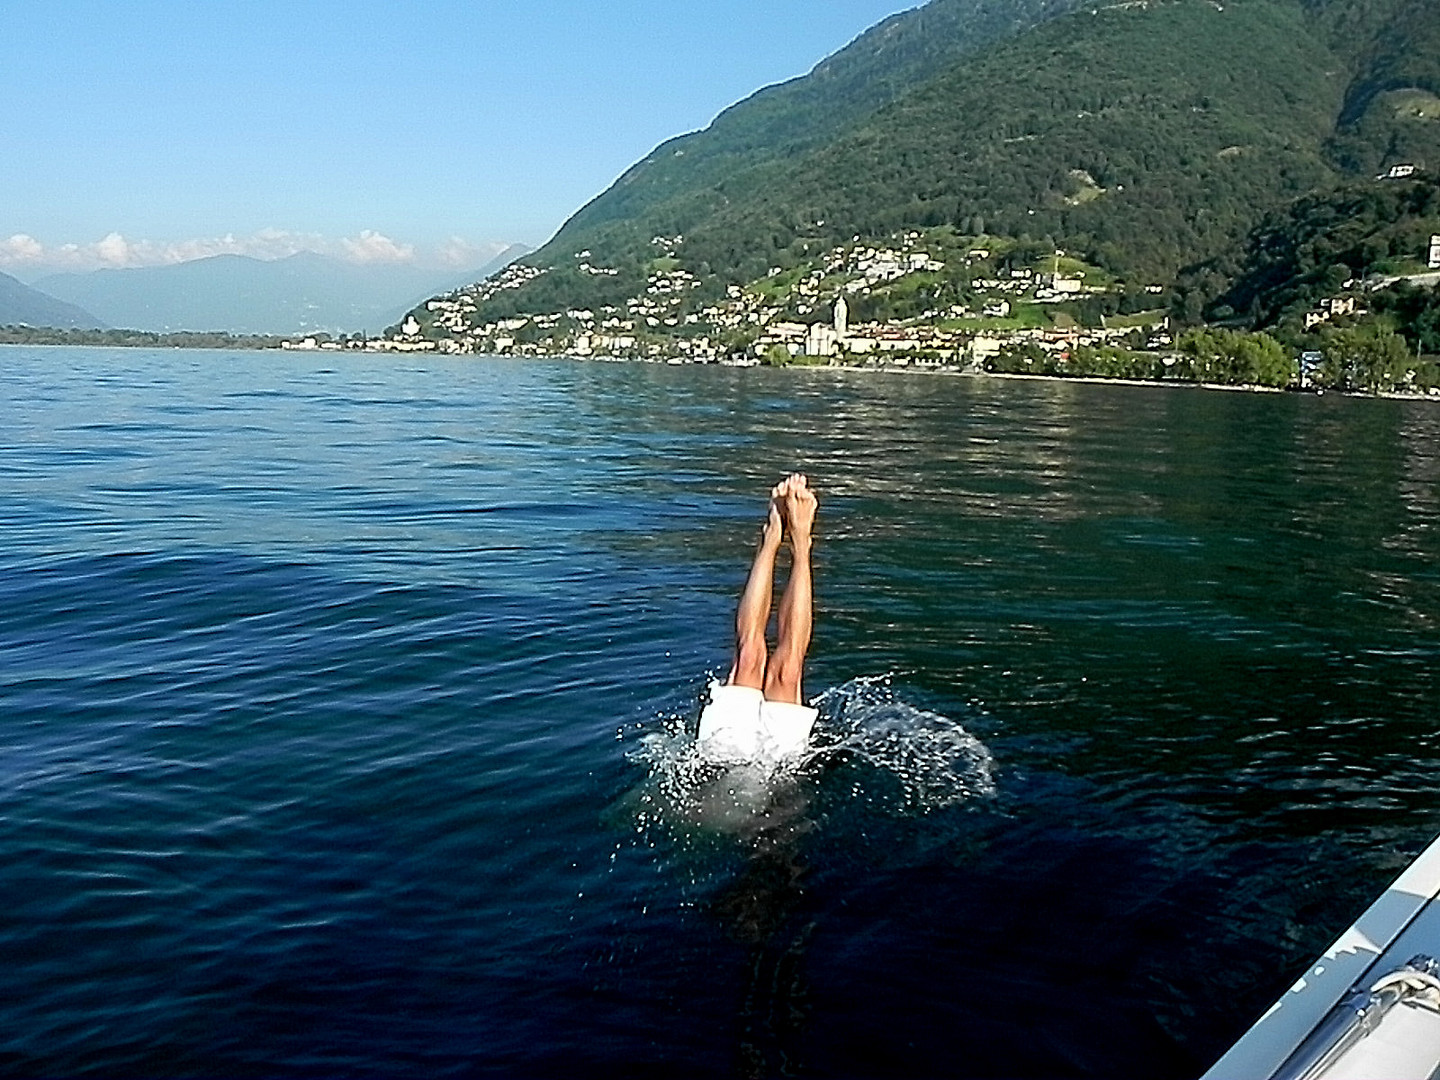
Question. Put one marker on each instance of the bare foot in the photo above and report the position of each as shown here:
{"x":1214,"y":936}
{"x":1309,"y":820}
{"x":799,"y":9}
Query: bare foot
{"x":799,"y":504}
{"x":774,"y":527}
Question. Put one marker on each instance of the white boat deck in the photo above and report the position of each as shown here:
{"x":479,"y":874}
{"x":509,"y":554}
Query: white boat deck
{"x":1402,"y":923}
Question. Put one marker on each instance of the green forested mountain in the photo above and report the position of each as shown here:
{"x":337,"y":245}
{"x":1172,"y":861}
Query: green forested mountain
{"x":1321,"y":244}
{"x":1391,"y":110}
{"x":1365,"y":242}
{"x":1144,"y":136}
{"x":754,"y":144}
{"x":674,"y":184}
{"x":1138,"y":135}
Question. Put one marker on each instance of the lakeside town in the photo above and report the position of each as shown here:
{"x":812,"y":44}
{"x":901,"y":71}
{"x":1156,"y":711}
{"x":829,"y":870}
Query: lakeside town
{"x":945,"y":302}
{"x":797,"y":315}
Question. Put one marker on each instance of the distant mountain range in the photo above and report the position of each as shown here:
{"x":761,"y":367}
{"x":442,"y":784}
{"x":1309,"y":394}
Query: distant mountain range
{"x":1144,"y":136}
{"x":303,"y":293}
{"x":20,"y":305}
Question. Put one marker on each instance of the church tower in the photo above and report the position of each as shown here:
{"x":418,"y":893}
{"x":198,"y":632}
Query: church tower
{"x":842,"y":318}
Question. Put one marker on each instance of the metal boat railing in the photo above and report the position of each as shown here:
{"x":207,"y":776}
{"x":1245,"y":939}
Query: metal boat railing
{"x":1359,"y":1015}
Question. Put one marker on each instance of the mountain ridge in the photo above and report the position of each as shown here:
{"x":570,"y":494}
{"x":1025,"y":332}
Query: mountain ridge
{"x":304,"y":292}
{"x":24,"y":305}
{"x":780,"y":120}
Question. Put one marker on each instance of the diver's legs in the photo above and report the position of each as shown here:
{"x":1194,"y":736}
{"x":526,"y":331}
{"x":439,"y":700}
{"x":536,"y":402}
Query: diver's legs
{"x":787,"y":664}
{"x":754,"y":610}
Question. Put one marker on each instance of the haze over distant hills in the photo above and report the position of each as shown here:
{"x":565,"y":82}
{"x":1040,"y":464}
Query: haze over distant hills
{"x":20,"y":305}
{"x":303,"y":293}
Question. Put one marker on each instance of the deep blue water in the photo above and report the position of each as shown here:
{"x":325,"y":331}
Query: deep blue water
{"x":347,"y":705}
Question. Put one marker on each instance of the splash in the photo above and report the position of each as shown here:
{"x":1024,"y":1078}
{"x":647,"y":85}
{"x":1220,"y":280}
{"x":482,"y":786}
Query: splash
{"x":900,"y":755}
{"x":685,"y":787}
{"x":894,"y":756}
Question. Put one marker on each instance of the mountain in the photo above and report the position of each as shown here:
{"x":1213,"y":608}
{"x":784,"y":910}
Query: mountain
{"x":1370,"y":241}
{"x":457,"y":281}
{"x":776,"y":123}
{"x":20,"y":305}
{"x":305,"y":292}
{"x":1318,"y":244}
{"x":1144,"y":136}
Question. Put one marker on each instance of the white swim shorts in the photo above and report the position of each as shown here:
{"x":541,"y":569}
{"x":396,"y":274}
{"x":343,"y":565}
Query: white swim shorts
{"x":740,"y":725}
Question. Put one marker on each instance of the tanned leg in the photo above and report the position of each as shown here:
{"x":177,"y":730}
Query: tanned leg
{"x":754,"y":611}
{"x":787,"y":664}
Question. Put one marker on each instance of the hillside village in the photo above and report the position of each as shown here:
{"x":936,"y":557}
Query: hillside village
{"x":992,"y":300}
{"x":968,"y":303}
{"x":938,"y":299}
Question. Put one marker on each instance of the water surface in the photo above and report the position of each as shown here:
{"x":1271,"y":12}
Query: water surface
{"x":348,"y":701}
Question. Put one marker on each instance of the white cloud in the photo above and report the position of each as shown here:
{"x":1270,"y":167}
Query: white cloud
{"x":114,"y":250}
{"x":372,"y":247}
{"x":20,"y":249}
{"x":462,"y":254}
{"x":23,"y":252}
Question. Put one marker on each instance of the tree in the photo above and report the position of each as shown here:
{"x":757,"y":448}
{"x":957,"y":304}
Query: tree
{"x":778,"y":356}
{"x":1234,"y":358}
{"x":1368,"y":357}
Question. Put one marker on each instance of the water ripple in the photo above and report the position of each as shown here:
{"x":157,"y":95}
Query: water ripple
{"x":312,"y":671}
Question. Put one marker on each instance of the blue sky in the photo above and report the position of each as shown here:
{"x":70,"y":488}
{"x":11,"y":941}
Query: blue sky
{"x":144,"y":131}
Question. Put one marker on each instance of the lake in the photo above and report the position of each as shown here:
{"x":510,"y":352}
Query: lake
{"x":349,"y":702}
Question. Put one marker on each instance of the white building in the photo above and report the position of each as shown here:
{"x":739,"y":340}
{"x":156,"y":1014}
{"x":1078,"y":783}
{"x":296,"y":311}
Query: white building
{"x":821,"y":340}
{"x":842,"y":315}
{"x":1435,"y":253}
{"x":985,"y":347}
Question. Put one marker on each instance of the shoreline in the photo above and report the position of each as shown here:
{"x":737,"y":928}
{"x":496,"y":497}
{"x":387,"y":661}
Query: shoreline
{"x":896,"y":370}
{"x":1100,"y":380}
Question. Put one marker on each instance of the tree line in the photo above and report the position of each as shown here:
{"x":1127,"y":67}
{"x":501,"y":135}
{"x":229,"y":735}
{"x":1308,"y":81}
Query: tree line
{"x":1363,"y":359}
{"x":184,"y":339}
